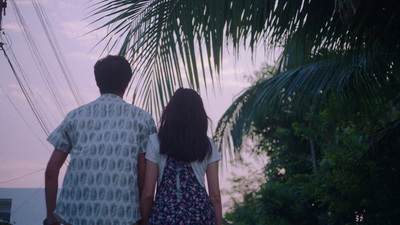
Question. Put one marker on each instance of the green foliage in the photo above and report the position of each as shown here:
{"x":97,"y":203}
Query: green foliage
{"x":332,"y":46}
{"x":244,"y":186}
{"x":275,"y":203}
{"x":328,"y":114}
{"x":354,"y":181}
{"x":284,"y":204}
{"x":358,"y":177}
{"x":246,"y":212}
{"x":288,"y":154}
{"x":329,"y":120}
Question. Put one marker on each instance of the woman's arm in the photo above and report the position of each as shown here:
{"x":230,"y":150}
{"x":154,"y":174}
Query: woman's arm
{"x":146,"y":201}
{"x":51,"y":181}
{"x":213,"y":189}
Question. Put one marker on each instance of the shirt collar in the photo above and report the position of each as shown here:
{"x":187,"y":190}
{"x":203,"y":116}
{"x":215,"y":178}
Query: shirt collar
{"x":110,"y":96}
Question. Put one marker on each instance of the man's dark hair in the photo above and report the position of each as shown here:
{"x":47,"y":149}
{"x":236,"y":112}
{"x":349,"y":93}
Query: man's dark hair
{"x":183,"y":127}
{"x":112,"y":74}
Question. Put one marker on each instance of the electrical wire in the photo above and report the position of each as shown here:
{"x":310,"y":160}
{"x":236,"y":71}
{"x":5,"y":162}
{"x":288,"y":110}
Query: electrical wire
{"x":41,"y":13}
{"x":30,"y":101}
{"x":26,"y":122}
{"x":29,"y":198}
{"x":36,"y":96}
{"x":26,"y":89}
{"x":17,"y":178}
{"x":39,"y":61}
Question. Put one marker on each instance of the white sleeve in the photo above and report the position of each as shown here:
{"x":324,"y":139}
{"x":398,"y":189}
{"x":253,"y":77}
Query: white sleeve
{"x":152,"y":149}
{"x":215,"y":156}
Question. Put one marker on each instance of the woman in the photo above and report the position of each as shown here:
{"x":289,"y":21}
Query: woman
{"x":177,"y":159}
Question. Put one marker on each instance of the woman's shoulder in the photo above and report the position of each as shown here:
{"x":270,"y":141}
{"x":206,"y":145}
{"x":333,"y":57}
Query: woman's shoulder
{"x":154,"y":136}
{"x":215,"y":155}
{"x":212,"y":142}
{"x":153,"y":139}
{"x":153,"y":148}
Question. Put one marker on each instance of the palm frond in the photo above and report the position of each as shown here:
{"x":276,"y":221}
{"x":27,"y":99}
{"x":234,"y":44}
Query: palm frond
{"x":347,"y":49}
{"x":165,"y":40}
{"x":158,"y":37}
{"x":355,"y":79}
{"x":386,"y":137}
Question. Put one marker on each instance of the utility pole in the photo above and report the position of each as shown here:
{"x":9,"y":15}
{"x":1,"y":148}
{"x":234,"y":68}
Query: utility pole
{"x":3,"y":4}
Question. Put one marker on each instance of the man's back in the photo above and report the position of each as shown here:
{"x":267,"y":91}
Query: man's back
{"x":104,"y":138}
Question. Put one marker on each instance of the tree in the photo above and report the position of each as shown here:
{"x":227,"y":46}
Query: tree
{"x":349,"y":48}
{"x":339,"y":56}
{"x":357,"y":179}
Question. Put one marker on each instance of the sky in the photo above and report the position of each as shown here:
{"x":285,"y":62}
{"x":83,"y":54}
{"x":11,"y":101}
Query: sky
{"x":24,"y":151}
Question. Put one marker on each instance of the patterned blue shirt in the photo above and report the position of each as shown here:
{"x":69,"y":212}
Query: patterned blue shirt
{"x":104,"y":138}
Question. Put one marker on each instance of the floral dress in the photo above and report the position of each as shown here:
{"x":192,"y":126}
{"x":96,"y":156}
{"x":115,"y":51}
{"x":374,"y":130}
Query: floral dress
{"x":180,"y":198}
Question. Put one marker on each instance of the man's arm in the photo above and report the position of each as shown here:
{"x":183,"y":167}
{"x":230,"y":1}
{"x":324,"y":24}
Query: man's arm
{"x":141,"y":172}
{"x":51,"y":181}
{"x":146,"y":201}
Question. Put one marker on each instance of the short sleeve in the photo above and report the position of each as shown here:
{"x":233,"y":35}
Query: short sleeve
{"x":153,"y":148}
{"x":60,"y":138}
{"x":150,"y":129}
{"x":151,"y":125}
{"x":215,"y":156}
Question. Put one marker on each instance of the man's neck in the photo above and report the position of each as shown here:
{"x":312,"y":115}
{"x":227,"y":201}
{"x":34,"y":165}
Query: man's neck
{"x":120,"y":94}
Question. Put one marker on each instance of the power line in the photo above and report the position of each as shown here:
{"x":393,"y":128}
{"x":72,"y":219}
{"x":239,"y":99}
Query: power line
{"x":41,"y":13}
{"x":26,"y":122}
{"x":41,"y":65}
{"x":3,"y":5}
{"x":25,"y":87}
{"x":27,"y":96}
{"x":17,"y":178}
{"x":34,"y":193}
{"x":36,"y":135}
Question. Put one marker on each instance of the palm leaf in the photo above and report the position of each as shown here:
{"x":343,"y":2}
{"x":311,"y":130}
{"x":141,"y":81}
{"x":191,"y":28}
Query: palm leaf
{"x":342,"y":48}
{"x":355,"y":79}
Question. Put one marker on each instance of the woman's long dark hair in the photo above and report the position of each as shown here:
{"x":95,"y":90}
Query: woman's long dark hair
{"x":183,"y":127}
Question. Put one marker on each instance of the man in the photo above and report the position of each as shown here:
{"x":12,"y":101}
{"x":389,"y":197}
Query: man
{"x":106,"y":139}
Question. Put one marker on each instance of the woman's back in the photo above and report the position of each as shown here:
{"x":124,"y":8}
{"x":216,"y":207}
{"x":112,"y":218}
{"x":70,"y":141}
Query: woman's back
{"x":180,"y":198}
{"x":179,"y":157}
{"x":199,"y":167}
{"x":183,"y":127}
